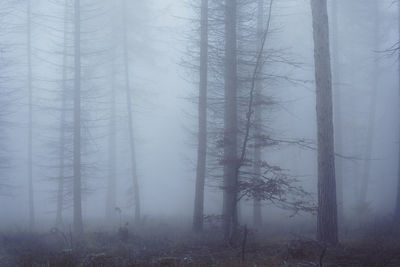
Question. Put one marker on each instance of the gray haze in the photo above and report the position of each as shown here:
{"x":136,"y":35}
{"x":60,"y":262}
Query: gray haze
{"x":164,"y":100}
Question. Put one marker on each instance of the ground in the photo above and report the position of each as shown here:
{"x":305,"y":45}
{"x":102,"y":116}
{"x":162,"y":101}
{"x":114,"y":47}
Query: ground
{"x":163,"y":246}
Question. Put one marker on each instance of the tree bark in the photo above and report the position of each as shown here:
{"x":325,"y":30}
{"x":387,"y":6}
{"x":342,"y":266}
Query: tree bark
{"x":230,"y":122}
{"x":327,"y":208}
{"x":202,"y":134}
{"x":130,"y":115}
{"x":77,"y":190}
{"x":337,"y":108}
{"x":397,"y":205}
{"x":30,"y":109}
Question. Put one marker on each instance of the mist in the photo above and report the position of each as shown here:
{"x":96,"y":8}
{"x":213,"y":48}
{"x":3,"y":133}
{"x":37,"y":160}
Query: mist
{"x":191,"y":133}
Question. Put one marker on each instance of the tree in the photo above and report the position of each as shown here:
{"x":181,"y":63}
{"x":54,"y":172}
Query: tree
{"x":327,"y":229}
{"x":130,"y":112}
{"x":81,"y":55}
{"x":62,"y":137}
{"x":257,"y":215}
{"x":30,"y":110}
{"x":230,"y":122}
{"x":241,"y":70}
{"x":372,"y":111}
{"x":245,"y":175}
{"x":112,"y":183}
{"x":77,"y":183}
{"x":202,"y":117}
{"x":337,"y":105}
{"x":7,"y":91}
{"x":397,"y":205}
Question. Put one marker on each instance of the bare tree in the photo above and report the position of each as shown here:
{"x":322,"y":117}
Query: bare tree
{"x":372,"y":111}
{"x":130,"y":112}
{"x":30,"y":111}
{"x":202,"y":134}
{"x":337,"y":105}
{"x":257,"y":215}
{"x":77,"y":183}
{"x":62,"y":138}
{"x":112,"y":183}
{"x":397,"y":206}
{"x":7,"y":92}
{"x":252,"y":179}
{"x":327,"y":229}
{"x":230,"y":121}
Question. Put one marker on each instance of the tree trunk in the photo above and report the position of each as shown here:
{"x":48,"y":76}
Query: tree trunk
{"x":397,"y":208}
{"x":30,"y":163}
{"x":202,"y":135}
{"x":337,"y":108}
{"x":257,"y":215}
{"x":230,"y":122}
{"x":61,"y":178}
{"x":111,"y":200}
{"x":327,"y":210}
{"x":130,"y":115}
{"x":372,"y":113}
{"x":77,"y":191}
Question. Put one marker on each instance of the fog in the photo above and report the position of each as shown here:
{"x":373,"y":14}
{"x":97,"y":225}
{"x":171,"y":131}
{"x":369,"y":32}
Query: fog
{"x":102,"y":116}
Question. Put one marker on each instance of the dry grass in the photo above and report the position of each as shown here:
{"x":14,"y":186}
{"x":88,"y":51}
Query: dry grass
{"x":169,"y":247}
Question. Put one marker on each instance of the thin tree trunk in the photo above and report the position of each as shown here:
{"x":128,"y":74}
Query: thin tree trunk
{"x":372,"y":113}
{"x":337,"y":108}
{"x":202,"y":135}
{"x":111,"y":201}
{"x":397,"y":205}
{"x":30,"y":163}
{"x":230,"y":122}
{"x":77,"y":184}
{"x":61,"y":178}
{"x":257,"y":215}
{"x":354,"y":171}
{"x":130,"y":116}
{"x":327,"y":209}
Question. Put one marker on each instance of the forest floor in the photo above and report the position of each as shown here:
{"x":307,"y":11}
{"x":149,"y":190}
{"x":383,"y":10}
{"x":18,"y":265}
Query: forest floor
{"x":154,"y":248}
